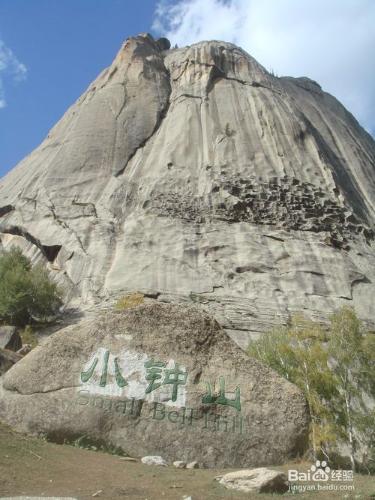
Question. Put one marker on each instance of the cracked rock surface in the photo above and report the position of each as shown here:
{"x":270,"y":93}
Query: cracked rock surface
{"x":194,"y":174}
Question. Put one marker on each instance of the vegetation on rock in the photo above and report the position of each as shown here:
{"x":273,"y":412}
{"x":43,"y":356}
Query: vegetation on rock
{"x":130,"y":300}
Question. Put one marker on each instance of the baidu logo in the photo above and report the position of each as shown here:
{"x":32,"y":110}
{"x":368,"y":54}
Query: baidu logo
{"x":320,"y":472}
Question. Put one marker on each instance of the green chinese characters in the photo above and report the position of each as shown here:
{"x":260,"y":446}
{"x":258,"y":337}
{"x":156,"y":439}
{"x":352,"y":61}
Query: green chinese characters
{"x":159,"y":374}
{"x":174,"y":376}
{"x":86,"y":375}
{"x":221,"y":398}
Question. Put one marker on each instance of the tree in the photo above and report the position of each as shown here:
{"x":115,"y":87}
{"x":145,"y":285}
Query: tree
{"x":297,"y":353}
{"x":26,"y":292}
{"x":352,"y":355}
{"x":366,"y":426}
{"x":335,"y":369}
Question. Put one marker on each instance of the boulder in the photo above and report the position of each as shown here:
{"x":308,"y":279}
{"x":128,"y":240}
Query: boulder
{"x":192,"y":465}
{"x":261,"y":480}
{"x":157,"y":379}
{"x":163,"y":43}
{"x":8,"y":359}
{"x":179,"y":464}
{"x":154,"y":460}
{"x":10,"y":338}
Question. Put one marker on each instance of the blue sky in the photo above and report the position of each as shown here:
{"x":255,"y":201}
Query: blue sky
{"x":50,"y":50}
{"x":64,"y":44}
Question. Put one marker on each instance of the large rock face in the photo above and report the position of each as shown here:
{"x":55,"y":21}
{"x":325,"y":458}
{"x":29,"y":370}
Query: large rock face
{"x":195,"y":174}
{"x":159,"y":379}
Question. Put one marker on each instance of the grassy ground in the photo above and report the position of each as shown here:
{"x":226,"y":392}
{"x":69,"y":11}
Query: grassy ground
{"x":34,"y":467}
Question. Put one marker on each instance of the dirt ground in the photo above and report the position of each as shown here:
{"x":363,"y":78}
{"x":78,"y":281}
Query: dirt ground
{"x":34,"y":467}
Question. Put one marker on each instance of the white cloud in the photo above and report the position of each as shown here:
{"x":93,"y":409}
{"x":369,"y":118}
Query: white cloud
{"x":2,"y":100}
{"x":10,"y":68}
{"x":330,"y":41}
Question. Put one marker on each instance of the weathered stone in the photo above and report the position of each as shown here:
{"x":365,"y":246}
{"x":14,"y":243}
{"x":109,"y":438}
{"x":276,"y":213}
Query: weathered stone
{"x":157,"y":379}
{"x":163,"y":43}
{"x":10,"y":338}
{"x":8,"y":359}
{"x":192,"y":465}
{"x":259,"y":480}
{"x":25,"y":349}
{"x":154,"y":460}
{"x":126,"y":203}
{"x":179,"y":464}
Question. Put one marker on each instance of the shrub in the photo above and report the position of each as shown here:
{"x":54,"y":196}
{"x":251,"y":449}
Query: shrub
{"x":26,"y":292}
{"x":129,"y":301}
{"x":28,"y":337}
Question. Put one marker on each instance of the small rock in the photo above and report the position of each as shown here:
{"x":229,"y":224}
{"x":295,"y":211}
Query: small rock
{"x":261,"y":480}
{"x":25,"y":349}
{"x":179,"y":464}
{"x":97,"y":493}
{"x":10,"y":338}
{"x":8,"y":359}
{"x":128,"y":459}
{"x":154,"y":460}
{"x":163,"y":43}
{"x":193,"y":465}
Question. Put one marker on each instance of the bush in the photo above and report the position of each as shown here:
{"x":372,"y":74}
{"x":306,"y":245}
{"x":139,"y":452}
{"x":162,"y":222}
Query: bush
{"x":29,"y":337}
{"x":26,"y":292}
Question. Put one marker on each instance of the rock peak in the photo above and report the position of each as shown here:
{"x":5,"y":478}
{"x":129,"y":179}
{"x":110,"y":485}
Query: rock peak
{"x":194,"y":172}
